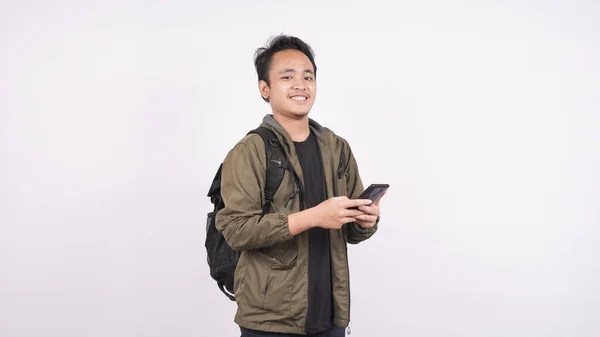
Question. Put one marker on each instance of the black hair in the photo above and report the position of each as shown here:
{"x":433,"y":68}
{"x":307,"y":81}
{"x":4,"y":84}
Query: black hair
{"x":264,"y":55}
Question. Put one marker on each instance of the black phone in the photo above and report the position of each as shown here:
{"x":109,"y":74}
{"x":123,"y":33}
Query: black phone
{"x":374,"y":191}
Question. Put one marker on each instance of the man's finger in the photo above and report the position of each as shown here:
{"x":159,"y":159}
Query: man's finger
{"x":353,"y":212}
{"x":367,"y":209}
{"x":356,"y":202}
{"x":366,"y":217}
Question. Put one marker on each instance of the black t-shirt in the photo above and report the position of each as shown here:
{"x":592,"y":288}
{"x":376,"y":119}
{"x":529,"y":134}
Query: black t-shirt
{"x":320,"y":294}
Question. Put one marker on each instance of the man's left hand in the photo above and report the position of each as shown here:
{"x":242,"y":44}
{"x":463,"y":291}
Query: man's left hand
{"x":371,"y":215}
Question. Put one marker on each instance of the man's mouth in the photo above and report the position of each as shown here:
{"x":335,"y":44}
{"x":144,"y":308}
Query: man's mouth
{"x":299,"y":98}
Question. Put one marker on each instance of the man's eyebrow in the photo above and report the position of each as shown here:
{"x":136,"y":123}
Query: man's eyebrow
{"x":290,"y":70}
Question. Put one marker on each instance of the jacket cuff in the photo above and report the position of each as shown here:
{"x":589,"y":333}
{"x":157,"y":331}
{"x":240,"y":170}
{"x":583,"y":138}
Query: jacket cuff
{"x":284,"y":229}
{"x":364,"y":230}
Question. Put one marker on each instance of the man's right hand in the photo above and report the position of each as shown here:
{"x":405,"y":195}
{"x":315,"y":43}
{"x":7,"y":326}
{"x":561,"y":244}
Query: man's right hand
{"x":332,"y":213}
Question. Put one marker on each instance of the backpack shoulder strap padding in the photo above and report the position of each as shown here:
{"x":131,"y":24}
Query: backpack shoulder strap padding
{"x":276,"y":164}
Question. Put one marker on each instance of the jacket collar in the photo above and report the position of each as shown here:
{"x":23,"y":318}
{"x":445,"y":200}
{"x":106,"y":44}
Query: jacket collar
{"x":314,"y":126}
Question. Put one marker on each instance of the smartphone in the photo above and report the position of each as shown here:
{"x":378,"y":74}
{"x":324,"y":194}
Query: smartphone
{"x":374,"y":191}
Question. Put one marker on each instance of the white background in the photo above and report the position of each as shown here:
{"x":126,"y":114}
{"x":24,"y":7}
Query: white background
{"x":483,"y":116}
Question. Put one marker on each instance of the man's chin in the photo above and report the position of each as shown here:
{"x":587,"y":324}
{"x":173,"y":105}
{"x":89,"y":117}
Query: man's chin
{"x":300,"y":113}
{"x":292,"y":113}
{"x":295,"y":114}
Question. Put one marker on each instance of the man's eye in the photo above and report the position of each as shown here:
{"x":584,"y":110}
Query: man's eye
{"x":286,"y":77}
{"x":308,"y":78}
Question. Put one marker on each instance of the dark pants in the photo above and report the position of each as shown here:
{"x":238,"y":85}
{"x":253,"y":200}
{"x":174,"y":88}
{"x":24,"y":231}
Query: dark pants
{"x":336,"y":331}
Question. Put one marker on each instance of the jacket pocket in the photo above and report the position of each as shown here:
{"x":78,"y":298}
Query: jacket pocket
{"x":268,"y":284}
{"x":277,"y":295}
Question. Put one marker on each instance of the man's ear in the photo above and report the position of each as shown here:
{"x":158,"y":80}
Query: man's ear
{"x":264,"y":89}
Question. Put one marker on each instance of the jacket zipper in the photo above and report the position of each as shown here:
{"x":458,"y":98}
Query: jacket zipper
{"x":299,"y":190}
{"x":348,"y":285}
{"x":341,"y":173}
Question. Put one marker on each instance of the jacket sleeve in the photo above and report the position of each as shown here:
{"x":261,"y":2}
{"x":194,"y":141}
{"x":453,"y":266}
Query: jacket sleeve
{"x":356,"y":233}
{"x":241,"y":221}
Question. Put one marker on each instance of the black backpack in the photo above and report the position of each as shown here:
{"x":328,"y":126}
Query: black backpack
{"x":222,"y":259}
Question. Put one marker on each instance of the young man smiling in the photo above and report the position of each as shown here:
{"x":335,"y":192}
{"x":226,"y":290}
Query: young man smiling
{"x":292,"y":277}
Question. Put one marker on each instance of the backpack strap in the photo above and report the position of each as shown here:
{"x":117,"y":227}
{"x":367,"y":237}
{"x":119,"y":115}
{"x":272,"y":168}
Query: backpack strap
{"x":276,"y":164}
{"x":222,"y":287}
{"x":341,"y":166}
{"x":214,"y":192}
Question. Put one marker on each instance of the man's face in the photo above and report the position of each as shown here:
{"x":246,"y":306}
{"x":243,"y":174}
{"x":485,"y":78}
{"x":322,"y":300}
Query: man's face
{"x":293,"y":86}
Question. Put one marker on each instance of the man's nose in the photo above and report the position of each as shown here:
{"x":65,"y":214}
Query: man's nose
{"x":299,"y":85}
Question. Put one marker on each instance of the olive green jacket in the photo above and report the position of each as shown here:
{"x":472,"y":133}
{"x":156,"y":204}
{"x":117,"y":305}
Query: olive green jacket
{"x":271,"y":278}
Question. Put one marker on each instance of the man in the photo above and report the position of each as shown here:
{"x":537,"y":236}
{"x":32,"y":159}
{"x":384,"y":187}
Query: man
{"x":292,"y":277}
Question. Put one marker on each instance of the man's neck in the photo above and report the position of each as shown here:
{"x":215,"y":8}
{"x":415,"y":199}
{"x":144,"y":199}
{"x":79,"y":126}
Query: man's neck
{"x":297,"y":128}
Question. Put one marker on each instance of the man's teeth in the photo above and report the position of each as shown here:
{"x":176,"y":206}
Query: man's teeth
{"x":298,"y":98}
